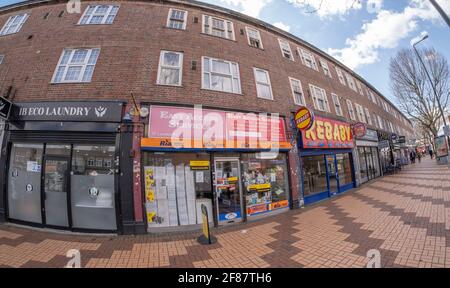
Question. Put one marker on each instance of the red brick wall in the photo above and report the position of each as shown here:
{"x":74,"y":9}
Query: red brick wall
{"x":129,"y":56}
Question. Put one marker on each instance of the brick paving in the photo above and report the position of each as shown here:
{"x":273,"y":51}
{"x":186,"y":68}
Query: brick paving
{"x":406,"y":216}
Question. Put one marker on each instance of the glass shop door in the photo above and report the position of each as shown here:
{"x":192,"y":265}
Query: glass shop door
{"x":227,"y":187}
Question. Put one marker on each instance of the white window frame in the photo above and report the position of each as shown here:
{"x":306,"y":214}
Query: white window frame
{"x":169,"y":19}
{"x":360,"y":113}
{"x":104,"y":15}
{"x":69,"y":64}
{"x":340,"y":75}
{"x":359,"y":86}
{"x":259,"y":37}
{"x":229,"y":26}
{"x":351,"y":82}
{"x":230,"y":63}
{"x":306,"y":55}
{"x":282,"y":42}
{"x":314,"y":90}
{"x":326,"y":69}
{"x":261,"y":83}
{"x":351,"y":110}
{"x":336,"y":100}
{"x":10,"y":20}
{"x":162,"y":66}
{"x":380,"y":122}
{"x":303,"y":102}
{"x":368,"y":116}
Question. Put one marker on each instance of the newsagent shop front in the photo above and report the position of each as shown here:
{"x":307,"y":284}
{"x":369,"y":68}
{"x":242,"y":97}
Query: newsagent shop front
{"x":60,"y":162}
{"x":217,"y":158}
{"x":326,"y":159}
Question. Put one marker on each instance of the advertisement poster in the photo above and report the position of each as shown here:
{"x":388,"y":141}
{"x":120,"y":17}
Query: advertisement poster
{"x":441,"y":146}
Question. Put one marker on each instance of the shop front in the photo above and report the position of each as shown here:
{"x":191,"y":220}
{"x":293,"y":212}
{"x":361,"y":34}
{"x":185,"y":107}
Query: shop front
{"x":326,"y":159}
{"x":220,"y":159}
{"x":368,"y":159}
{"x":386,"y":151}
{"x":60,"y":165}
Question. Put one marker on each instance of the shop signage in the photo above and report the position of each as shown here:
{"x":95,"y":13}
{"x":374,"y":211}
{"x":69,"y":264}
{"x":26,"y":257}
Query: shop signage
{"x":394,"y":137}
{"x":383,"y":144}
{"x":199,"y":165}
{"x":401,"y":139}
{"x":68,"y":111}
{"x":441,"y":146}
{"x":327,"y":134}
{"x":359,"y":130}
{"x":278,"y":205}
{"x":304,"y":118}
{"x":181,"y":127}
{"x":206,"y":238}
{"x":371,"y":135}
{"x":5,"y":108}
{"x":256,"y":209}
{"x":261,"y":188}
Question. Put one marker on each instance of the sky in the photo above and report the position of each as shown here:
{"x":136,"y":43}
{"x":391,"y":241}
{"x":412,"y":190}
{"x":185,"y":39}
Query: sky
{"x":362,"y":34}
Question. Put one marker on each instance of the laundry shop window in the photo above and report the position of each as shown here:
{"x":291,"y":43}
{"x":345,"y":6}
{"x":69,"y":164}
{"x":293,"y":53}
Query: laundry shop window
{"x":297,"y":91}
{"x":76,"y":65}
{"x":170,"y":68}
{"x":99,"y":14}
{"x":263,"y":85}
{"x":221,"y":75}
{"x":177,"y":19}
{"x":254,"y":38}
{"x":14,"y":24}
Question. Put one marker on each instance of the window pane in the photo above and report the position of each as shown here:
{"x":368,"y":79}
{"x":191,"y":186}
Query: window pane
{"x":96,"y":20}
{"x":88,"y":73}
{"x":264,"y":91}
{"x":206,"y":64}
{"x":59,"y":73}
{"x":73,"y":73}
{"x":79,"y":56}
{"x":261,"y":76}
{"x":169,"y":76}
{"x":94,"y":56}
{"x":221,"y":83}
{"x":221,"y":67}
{"x":171,"y":59}
{"x":206,"y":83}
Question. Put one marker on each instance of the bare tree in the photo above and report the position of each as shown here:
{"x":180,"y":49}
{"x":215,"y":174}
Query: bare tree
{"x":413,"y":90}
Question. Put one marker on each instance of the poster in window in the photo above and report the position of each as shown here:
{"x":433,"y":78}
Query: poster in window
{"x":441,"y":146}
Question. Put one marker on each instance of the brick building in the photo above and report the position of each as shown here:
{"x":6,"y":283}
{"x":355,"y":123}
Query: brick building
{"x":86,"y":146}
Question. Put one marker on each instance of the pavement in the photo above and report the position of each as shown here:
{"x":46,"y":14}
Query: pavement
{"x":405,"y":216}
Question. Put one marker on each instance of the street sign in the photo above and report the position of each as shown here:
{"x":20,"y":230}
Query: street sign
{"x":5,"y":108}
{"x":447,"y":130}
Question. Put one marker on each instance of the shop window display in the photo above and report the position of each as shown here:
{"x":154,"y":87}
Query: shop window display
{"x":344,"y":169}
{"x":176,"y":185}
{"x":265,"y":183}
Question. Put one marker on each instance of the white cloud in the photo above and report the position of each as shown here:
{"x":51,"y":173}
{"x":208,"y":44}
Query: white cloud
{"x":385,"y":32}
{"x":282,"y":26}
{"x":249,"y":7}
{"x":326,"y":8}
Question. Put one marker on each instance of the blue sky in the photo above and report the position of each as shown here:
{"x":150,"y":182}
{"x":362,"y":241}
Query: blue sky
{"x":362,"y":34}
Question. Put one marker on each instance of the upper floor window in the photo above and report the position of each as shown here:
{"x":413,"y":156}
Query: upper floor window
{"x":380,"y":122}
{"x":360,"y":89}
{"x":360,"y":113}
{"x":218,"y":27}
{"x":170,"y":68}
{"x":308,"y":59}
{"x":286,"y":49}
{"x":337,"y":104}
{"x":1,"y":59}
{"x":263,"y":85}
{"x":351,"y":111}
{"x":351,"y":82}
{"x":76,"y":65}
{"x":319,"y":98}
{"x":340,"y":75}
{"x":221,"y":75}
{"x":254,"y":38}
{"x":369,"y":119}
{"x":325,"y":68}
{"x":297,"y":91}
{"x":375,"y":121}
{"x":177,"y":19}
{"x":14,"y":24}
{"x":99,"y":14}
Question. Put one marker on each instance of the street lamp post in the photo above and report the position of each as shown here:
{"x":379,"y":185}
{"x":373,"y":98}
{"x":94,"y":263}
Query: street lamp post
{"x":441,"y":110}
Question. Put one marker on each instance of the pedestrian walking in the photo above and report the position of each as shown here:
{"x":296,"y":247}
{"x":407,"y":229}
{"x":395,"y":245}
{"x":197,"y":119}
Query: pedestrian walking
{"x":431,"y":153}
{"x":419,"y":156}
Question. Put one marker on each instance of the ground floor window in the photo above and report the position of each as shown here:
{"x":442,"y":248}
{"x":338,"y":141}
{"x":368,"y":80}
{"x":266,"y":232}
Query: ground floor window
{"x":314,"y":175}
{"x":344,"y":167}
{"x":176,"y":184}
{"x":265,"y":183}
{"x":369,"y":166}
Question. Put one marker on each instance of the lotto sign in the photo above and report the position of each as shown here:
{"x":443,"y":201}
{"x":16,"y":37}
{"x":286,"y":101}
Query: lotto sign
{"x":304,"y":118}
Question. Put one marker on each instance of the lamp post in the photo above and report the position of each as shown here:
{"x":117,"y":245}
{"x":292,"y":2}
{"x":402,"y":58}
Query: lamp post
{"x":441,"y":110}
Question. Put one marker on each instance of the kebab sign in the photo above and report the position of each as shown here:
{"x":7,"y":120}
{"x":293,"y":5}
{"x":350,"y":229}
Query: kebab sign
{"x":304,"y":118}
